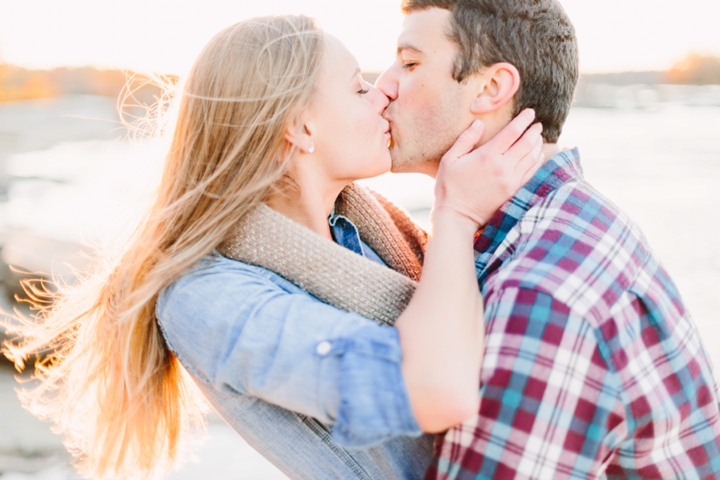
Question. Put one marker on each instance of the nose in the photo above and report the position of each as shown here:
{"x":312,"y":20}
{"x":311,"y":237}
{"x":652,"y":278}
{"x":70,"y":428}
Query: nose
{"x":387,"y":83}
{"x":379,"y":100}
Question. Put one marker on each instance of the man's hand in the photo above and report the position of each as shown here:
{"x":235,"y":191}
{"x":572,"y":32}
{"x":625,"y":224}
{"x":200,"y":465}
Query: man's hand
{"x":476,"y":183}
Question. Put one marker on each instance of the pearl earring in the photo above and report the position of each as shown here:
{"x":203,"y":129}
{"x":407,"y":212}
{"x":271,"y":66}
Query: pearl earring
{"x":311,"y":149}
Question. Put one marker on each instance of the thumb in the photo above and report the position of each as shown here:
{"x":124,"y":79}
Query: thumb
{"x":466,"y":141}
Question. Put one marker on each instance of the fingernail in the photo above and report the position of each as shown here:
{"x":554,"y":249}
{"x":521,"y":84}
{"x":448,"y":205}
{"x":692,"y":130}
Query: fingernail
{"x":477,"y":124}
{"x":531,"y":111}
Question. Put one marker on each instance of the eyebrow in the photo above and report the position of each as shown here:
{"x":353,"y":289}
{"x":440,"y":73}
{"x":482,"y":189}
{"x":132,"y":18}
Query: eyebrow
{"x":408,"y":46}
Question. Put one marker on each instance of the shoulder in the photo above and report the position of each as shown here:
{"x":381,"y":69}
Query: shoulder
{"x":576,"y":245}
{"x":577,"y":212}
{"x":580,"y":205}
{"x":216,"y":277}
{"x":214,"y":271}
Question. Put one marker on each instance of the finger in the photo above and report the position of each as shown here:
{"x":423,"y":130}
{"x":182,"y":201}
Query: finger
{"x":512,"y":132}
{"x":531,"y":173}
{"x":539,"y":162}
{"x":530,"y":158}
{"x":466,"y":141}
{"x":526,"y":143}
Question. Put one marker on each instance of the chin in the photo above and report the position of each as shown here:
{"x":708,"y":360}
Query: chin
{"x":378,"y":167}
{"x":401,"y":164}
{"x":402,"y":160}
{"x":424,"y":166}
{"x":417,"y":159}
{"x":384,"y":166}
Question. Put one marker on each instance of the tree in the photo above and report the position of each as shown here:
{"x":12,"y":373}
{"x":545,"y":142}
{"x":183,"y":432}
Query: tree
{"x":3,"y":76}
{"x":696,"y":69}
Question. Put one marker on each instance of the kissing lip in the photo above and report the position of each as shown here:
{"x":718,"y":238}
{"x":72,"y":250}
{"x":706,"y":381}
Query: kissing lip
{"x":388,"y":129}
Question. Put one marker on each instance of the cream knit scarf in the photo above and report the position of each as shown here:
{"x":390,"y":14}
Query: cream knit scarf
{"x":332,"y":273}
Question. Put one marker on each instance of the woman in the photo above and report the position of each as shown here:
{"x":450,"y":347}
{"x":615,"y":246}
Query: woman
{"x":274,"y":122}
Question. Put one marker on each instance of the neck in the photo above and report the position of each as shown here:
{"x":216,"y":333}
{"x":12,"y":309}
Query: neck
{"x":308,"y":201}
{"x":550,"y":150}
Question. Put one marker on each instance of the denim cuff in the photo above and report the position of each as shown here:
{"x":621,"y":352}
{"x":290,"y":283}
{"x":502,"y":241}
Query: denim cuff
{"x":374,"y":402}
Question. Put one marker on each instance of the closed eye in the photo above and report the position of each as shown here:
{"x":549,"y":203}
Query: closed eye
{"x":363,"y":92}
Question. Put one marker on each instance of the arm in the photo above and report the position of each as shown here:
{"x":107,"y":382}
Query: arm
{"x":244,"y":331}
{"x":441,"y":331}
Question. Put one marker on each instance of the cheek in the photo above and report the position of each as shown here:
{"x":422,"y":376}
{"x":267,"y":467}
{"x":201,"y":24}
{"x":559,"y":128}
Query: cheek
{"x":420,"y":104}
{"x":433,"y":115}
{"x":355,"y":142}
{"x":370,"y":146}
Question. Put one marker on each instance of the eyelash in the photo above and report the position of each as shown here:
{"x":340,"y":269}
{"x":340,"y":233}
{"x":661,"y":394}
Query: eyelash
{"x":363,"y":92}
{"x":408,"y":65}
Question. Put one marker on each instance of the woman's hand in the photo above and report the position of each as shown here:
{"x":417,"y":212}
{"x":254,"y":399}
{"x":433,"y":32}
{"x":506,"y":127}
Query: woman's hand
{"x":442,"y":329}
{"x":476,"y":183}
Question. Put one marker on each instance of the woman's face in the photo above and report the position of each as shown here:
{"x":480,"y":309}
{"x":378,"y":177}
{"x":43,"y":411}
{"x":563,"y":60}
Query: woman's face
{"x":344,"y":119}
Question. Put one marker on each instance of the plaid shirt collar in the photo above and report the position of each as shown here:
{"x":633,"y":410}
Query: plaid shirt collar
{"x":559,"y":170}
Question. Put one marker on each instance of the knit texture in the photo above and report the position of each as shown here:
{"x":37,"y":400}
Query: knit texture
{"x":385,"y":228}
{"x":332,"y":273}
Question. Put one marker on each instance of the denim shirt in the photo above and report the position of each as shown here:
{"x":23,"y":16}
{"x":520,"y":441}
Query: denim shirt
{"x":318,"y":391}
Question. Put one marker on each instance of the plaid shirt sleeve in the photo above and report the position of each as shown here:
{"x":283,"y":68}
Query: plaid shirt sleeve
{"x":549,"y":408}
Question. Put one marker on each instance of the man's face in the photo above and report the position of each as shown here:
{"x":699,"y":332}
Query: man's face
{"x":428,"y":109}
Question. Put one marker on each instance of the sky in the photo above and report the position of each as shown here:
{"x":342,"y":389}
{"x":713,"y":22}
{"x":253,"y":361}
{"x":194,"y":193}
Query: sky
{"x":165,"y":36}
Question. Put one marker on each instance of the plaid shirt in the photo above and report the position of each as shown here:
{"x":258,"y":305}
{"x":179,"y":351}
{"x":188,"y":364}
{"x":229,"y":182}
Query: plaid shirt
{"x":593,"y":367}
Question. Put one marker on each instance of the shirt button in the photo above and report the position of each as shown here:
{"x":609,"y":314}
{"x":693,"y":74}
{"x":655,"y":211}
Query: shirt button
{"x":323,"y":348}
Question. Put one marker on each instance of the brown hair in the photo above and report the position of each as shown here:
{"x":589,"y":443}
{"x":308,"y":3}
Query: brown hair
{"x":535,"y":36}
{"x":111,"y":385}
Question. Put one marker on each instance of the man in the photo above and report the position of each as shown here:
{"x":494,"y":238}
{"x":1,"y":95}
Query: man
{"x":593,"y":367}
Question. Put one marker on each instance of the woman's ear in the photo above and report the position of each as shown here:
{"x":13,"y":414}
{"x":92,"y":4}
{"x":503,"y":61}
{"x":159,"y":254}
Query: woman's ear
{"x":497,"y":86}
{"x":299,"y":135}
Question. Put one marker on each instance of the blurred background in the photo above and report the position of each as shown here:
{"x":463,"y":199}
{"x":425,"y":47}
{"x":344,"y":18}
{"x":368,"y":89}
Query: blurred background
{"x":72,"y":178}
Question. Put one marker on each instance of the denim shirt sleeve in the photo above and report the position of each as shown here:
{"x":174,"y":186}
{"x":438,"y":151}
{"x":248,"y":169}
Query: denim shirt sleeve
{"x":237,"y":328}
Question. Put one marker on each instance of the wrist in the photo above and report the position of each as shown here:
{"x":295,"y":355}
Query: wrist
{"x":448,"y":218}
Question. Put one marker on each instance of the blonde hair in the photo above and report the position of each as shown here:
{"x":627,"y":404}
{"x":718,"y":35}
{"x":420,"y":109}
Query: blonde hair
{"x":109,"y":383}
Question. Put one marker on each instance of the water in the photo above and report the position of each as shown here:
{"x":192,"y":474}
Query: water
{"x":662,"y":166}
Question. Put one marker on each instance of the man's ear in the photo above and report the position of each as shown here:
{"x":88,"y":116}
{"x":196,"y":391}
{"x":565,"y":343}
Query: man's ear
{"x":299,"y":135}
{"x":497,"y":86}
